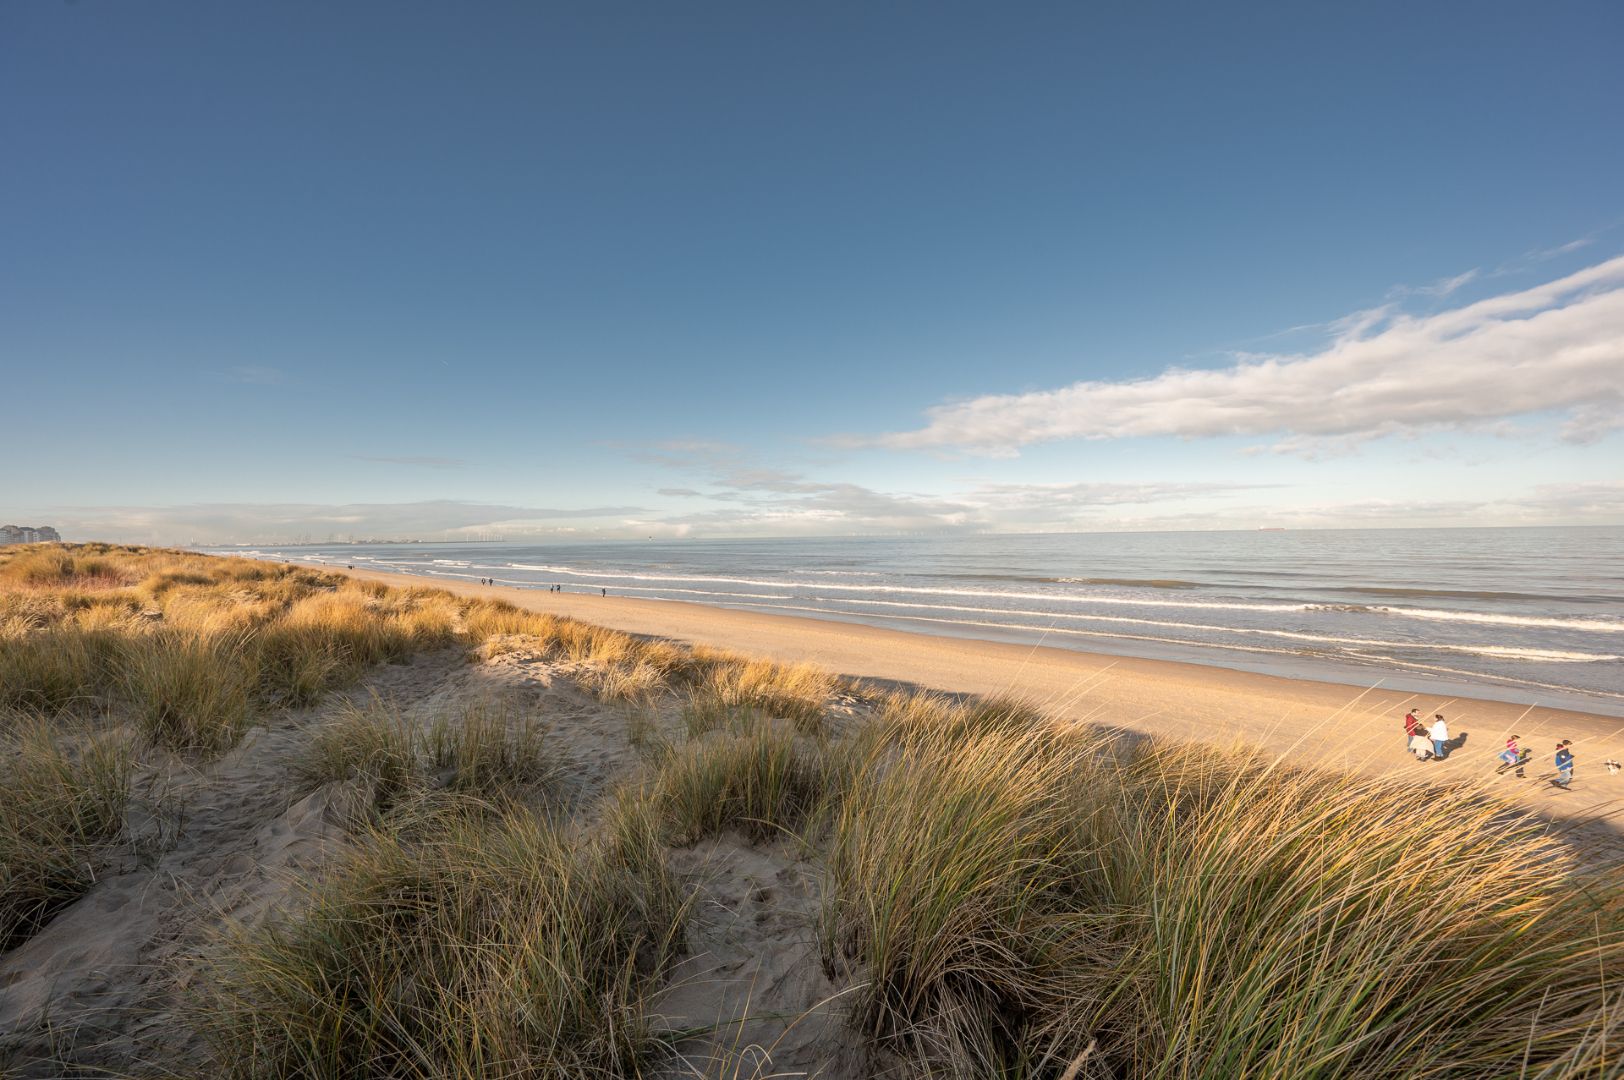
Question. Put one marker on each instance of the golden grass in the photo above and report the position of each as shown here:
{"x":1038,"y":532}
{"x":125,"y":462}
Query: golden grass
{"x":55,"y":668}
{"x":767,"y":782}
{"x":1007,"y":898}
{"x":502,"y":947}
{"x":61,"y":807}
{"x":196,"y":645}
{"x":188,"y":692}
{"x":488,"y":750}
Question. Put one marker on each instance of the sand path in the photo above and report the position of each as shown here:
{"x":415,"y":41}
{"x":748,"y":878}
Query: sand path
{"x":1324,"y":723}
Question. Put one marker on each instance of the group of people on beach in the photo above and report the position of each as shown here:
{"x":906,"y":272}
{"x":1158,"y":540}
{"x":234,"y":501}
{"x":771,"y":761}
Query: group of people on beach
{"x":550,"y":588}
{"x":1432,"y":743}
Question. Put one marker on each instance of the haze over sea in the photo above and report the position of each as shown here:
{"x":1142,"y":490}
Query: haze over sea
{"x":1533,"y":615}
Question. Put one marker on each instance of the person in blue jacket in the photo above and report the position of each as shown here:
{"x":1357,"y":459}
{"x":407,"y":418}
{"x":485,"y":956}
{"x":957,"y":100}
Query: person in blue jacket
{"x":1564,"y":763}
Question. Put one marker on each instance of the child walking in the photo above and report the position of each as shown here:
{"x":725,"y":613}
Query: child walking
{"x":1511,"y":756}
{"x":1564,"y":764}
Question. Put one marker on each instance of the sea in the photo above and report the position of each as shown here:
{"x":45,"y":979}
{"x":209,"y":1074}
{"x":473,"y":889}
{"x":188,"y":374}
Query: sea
{"x":1532,"y":615}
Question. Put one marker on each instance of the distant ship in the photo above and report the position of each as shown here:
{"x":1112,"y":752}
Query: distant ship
{"x":1271,"y":528}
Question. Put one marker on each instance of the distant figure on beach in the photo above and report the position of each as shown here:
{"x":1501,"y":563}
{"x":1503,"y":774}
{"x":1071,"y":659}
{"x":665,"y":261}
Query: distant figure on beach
{"x":1511,"y":756}
{"x":1440,"y":736}
{"x":1412,"y":723}
{"x":605,"y":592}
{"x":1564,"y":764}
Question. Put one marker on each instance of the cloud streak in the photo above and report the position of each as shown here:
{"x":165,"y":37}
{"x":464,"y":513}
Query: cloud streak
{"x":1556,"y":348}
{"x":222,"y":523}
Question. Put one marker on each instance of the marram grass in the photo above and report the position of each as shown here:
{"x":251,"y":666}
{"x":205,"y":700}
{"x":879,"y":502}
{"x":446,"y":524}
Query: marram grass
{"x":1020,"y":900}
{"x":502,"y":947}
{"x":62,"y":806}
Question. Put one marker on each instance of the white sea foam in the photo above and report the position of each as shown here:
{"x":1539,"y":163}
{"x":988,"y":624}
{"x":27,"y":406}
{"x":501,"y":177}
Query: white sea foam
{"x":1593,"y":626}
{"x":1554,"y":656}
{"x":909,"y":590}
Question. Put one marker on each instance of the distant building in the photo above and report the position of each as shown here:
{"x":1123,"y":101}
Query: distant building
{"x":27,"y":534}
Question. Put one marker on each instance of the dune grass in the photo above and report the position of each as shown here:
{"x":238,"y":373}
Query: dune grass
{"x":61,"y":807}
{"x":490,"y":747}
{"x":766,"y":781}
{"x":188,"y":692}
{"x":497,"y":947}
{"x":1015,"y":897}
{"x":488,"y":750}
{"x":196,"y":646}
{"x":55,"y":668}
{"x":371,"y":744}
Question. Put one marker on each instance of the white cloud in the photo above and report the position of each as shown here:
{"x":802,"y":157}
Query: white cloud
{"x":1555,"y":348}
{"x":222,"y":523}
{"x":1440,"y":288}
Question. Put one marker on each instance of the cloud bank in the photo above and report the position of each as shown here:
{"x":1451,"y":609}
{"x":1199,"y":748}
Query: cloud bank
{"x":271,"y":523}
{"x":1555,"y":348}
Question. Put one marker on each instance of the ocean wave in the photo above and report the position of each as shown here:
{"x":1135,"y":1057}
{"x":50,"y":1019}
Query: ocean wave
{"x":1145,"y":583}
{"x":911,"y":590}
{"x":647,"y":581}
{"x":1553,"y":656}
{"x":1446,"y":594}
{"x":1548,"y":622}
{"x":1029,"y":629}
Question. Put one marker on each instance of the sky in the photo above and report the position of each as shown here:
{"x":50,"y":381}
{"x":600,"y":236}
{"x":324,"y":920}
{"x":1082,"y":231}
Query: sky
{"x":272,"y":272}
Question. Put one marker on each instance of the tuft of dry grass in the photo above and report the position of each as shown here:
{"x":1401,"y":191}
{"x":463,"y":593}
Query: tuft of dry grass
{"x":56,"y":566}
{"x":490,"y":748}
{"x":732,"y":690}
{"x":189,"y":692}
{"x":55,"y":668}
{"x":61,"y":808}
{"x":372,"y":744}
{"x":503,"y":947}
{"x":637,"y":683}
{"x":489,"y":751}
{"x":486,"y":619}
{"x":767,"y":782}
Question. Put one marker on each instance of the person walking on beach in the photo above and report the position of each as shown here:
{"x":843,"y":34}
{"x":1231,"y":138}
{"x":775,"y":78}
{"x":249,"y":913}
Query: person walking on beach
{"x":1511,"y":756}
{"x":1564,"y":764}
{"x":1440,"y":736}
{"x":1411,"y":723}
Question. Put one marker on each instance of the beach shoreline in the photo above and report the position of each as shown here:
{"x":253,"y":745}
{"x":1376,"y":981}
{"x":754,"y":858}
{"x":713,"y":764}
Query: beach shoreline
{"x":1323,"y":723}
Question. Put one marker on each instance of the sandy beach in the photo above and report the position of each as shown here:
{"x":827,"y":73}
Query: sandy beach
{"x":1326,"y":723}
{"x":716,"y":803}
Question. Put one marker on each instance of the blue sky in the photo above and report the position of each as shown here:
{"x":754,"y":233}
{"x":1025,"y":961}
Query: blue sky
{"x":386,"y":269}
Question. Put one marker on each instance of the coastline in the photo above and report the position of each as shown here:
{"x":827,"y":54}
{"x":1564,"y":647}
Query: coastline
{"x":1328,"y":723}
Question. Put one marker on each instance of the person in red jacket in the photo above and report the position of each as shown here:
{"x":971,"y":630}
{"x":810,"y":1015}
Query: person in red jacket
{"x":1411,"y":723}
